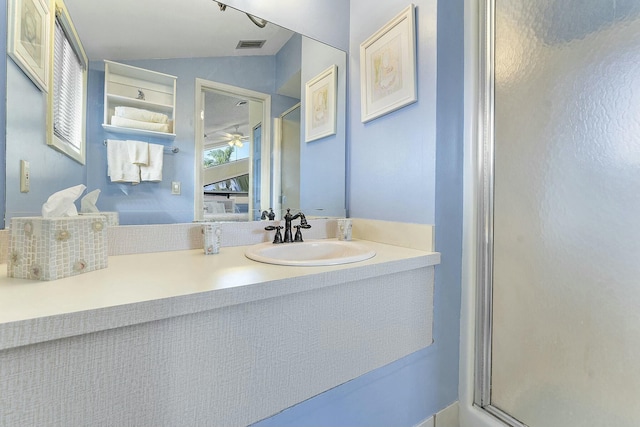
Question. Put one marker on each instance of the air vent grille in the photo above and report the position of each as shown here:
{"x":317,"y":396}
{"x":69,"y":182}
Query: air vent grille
{"x":250,"y":44}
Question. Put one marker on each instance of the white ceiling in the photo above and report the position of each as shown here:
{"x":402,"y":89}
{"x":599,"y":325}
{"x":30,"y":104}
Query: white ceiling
{"x":158,"y":29}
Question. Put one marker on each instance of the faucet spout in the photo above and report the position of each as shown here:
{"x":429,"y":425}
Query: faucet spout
{"x":288,"y":218}
{"x":271,"y":215}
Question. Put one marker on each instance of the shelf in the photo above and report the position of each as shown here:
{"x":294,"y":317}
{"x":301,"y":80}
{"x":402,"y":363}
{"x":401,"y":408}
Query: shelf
{"x":125,"y":101}
{"x":123,"y":84}
{"x":140,"y":132}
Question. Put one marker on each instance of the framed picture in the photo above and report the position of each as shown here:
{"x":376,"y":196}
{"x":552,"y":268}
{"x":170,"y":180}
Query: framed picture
{"x":388,"y":67}
{"x":28,"y":38}
{"x":320,"y":109}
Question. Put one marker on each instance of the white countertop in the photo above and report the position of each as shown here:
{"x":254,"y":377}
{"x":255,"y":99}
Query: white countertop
{"x":153,"y":286}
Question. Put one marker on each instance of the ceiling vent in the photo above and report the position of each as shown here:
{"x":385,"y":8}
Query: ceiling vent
{"x":250,"y":44}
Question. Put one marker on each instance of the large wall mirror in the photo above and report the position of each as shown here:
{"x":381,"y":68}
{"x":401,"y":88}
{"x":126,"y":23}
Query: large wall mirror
{"x":206,"y":48}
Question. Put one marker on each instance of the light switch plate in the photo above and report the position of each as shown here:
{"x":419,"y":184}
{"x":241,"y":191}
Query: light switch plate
{"x":175,"y":187}
{"x":25,"y":178}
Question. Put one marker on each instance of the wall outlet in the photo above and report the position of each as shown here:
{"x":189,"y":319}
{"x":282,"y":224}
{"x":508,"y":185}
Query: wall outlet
{"x":175,"y":187}
{"x":25,"y":179}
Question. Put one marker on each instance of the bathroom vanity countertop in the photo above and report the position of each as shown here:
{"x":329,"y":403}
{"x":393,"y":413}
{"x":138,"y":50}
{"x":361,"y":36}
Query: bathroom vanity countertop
{"x":153,"y":286}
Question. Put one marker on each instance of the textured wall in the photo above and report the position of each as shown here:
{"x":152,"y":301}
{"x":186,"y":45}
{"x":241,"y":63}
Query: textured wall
{"x":230,"y":366}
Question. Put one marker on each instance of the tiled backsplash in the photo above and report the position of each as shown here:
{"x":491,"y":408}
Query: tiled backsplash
{"x":132,"y":239}
{"x":4,"y":246}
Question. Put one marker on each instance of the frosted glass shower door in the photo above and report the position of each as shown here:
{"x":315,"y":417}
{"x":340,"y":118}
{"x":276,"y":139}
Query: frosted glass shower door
{"x":566,"y":261}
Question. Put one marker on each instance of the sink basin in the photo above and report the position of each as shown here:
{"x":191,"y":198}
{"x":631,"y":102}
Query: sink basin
{"x":310,"y":253}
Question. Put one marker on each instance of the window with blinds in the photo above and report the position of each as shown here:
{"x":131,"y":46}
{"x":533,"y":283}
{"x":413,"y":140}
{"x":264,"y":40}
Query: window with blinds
{"x":68,"y":88}
{"x":68,"y":91}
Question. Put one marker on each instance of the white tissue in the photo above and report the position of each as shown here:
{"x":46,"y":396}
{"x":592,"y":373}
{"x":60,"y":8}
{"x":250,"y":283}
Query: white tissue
{"x":88,"y":202}
{"x":61,"y":203}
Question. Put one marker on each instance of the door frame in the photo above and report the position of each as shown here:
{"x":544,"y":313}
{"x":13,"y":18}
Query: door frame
{"x":477,"y":266}
{"x":277,"y":160}
{"x":200,"y":86}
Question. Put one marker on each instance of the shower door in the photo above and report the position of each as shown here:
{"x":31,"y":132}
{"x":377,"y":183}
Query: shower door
{"x":560,"y":345}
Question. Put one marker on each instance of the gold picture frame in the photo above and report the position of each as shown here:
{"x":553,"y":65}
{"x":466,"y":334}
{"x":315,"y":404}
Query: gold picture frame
{"x":28,"y":39}
{"x":388,"y":67}
{"x":320,"y":105}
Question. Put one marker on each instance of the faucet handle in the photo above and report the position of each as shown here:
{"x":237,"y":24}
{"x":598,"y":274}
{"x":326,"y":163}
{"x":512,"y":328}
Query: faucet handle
{"x":278,"y":237}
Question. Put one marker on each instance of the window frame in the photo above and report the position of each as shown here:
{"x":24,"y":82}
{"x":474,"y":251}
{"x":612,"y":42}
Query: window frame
{"x":77,"y":154}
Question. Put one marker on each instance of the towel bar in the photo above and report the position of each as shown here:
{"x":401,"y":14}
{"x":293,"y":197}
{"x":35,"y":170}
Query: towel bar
{"x":171,"y":149}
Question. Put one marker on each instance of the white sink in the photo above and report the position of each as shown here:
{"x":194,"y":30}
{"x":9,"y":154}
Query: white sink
{"x":310,"y":253}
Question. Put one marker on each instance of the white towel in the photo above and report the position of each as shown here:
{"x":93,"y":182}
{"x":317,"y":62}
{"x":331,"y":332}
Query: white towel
{"x":137,"y":124}
{"x":141,"y":115}
{"x":119,"y":168}
{"x":138,"y":152}
{"x":153,"y":171}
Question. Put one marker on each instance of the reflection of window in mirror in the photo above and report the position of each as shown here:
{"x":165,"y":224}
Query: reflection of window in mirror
{"x":68,"y":93}
{"x":219,"y":156}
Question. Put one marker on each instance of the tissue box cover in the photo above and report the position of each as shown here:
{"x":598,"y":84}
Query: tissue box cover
{"x":111,"y":217}
{"x":53,"y":248}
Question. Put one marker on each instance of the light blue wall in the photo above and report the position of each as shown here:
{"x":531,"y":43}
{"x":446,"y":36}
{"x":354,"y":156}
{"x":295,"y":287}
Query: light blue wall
{"x":288,"y":60}
{"x":23,"y":126}
{"x":25,"y":132}
{"x":153,"y":202}
{"x":322,"y":185}
{"x":394,"y":177}
{"x":392,"y":172}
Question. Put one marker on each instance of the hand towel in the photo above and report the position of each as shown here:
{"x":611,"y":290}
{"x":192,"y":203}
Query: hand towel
{"x":138,"y":152}
{"x":153,"y":170}
{"x":119,"y":168}
{"x":141,"y":115}
{"x":137,"y":124}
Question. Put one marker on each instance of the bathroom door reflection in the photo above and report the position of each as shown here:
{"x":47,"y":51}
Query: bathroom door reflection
{"x":256,"y":179}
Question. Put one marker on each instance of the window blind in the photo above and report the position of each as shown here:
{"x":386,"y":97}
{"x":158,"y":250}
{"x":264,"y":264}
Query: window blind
{"x":68,"y":90}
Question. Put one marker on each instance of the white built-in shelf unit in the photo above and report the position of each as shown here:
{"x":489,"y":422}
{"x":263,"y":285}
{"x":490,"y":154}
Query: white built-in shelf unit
{"x":122,"y":87}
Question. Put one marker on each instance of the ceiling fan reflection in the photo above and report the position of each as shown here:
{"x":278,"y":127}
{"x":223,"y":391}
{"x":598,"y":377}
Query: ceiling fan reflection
{"x":236,"y":138}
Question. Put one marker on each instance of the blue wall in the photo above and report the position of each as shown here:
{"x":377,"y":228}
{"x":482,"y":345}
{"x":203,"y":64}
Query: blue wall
{"x":392,"y":171}
{"x":393,"y":176}
{"x":323,"y":185}
{"x":288,"y":60}
{"x":26,"y":139}
{"x":151,"y":202}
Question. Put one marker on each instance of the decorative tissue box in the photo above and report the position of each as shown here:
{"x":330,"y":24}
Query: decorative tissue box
{"x":111,"y":217}
{"x":53,"y":248}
